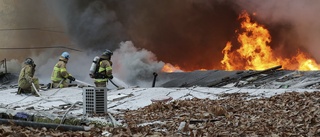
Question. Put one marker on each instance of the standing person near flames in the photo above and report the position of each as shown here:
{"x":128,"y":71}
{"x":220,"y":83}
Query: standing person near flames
{"x":26,"y":78}
{"x":60,"y":73}
{"x":102,"y":70}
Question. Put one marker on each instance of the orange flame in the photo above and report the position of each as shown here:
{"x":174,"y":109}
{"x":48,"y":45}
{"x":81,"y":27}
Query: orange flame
{"x":170,"y":68}
{"x":255,"y":54}
{"x":305,"y":63}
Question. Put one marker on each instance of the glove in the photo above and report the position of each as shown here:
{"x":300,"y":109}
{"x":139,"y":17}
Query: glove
{"x":71,"y":78}
{"x":110,"y":77}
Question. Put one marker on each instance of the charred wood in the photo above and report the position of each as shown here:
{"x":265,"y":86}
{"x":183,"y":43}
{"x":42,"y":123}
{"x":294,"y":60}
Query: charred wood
{"x":240,"y":76}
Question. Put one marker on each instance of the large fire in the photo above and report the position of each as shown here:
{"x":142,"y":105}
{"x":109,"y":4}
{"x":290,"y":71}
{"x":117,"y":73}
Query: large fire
{"x":254,"y":52}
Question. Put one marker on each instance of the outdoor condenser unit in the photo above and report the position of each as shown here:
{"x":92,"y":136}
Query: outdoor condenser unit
{"x":94,"y":100}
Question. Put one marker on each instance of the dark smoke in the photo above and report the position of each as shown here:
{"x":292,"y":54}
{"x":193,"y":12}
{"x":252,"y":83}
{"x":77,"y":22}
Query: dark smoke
{"x":90,"y":23}
{"x":190,"y":34}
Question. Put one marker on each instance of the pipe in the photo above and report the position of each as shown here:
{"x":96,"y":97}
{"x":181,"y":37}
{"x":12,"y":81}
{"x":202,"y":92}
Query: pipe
{"x":154,"y":78}
{"x":9,"y":48}
{"x":5,"y":65}
{"x":47,"y":125}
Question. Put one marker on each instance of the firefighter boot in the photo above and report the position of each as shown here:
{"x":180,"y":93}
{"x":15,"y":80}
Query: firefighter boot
{"x":19,"y":90}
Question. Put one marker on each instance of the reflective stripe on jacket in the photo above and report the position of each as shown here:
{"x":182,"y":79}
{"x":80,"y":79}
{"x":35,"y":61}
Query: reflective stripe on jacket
{"x":104,"y":69}
{"x":59,"y":72}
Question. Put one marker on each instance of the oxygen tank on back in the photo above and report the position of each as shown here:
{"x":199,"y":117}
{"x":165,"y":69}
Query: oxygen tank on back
{"x":94,"y":66}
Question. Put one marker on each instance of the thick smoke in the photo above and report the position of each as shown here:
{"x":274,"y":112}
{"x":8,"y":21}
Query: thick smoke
{"x":90,"y":23}
{"x":190,"y":34}
{"x":296,"y":21}
{"x":131,"y":63}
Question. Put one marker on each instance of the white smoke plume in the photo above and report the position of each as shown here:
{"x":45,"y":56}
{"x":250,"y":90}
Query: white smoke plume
{"x":132,"y":64}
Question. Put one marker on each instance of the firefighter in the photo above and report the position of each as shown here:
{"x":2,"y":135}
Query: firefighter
{"x":26,"y":78}
{"x":60,"y":74}
{"x":104,"y":72}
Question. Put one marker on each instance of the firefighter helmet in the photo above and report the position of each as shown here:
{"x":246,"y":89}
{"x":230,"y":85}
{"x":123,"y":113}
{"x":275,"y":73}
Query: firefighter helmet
{"x":65,"y":55}
{"x":107,"y":52}
{"x":29,"y":61}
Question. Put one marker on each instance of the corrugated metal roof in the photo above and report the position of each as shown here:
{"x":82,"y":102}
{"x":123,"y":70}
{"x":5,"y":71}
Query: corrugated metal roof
{"x":242,"y":79}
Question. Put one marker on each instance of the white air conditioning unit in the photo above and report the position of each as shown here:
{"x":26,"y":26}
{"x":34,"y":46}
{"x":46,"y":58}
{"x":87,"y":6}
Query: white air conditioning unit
{"x":94,"y":100}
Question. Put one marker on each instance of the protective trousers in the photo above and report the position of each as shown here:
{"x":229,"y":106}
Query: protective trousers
{"x":26,"y":87}
{"x":101,"y":84}
{"x":60,"y":84}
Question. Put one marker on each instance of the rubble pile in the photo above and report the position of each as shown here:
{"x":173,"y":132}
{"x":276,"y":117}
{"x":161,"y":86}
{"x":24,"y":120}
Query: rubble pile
{"x":234,"y":114}
{"x":288,"y":114}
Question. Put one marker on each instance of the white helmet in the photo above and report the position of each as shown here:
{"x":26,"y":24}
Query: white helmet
{"x":65,"y":55}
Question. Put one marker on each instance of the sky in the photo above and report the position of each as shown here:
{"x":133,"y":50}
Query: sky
{"x":190,"y":34}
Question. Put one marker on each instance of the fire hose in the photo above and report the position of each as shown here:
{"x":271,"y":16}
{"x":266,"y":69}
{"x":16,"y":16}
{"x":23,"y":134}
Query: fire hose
{"x":84,"y":83}
{"x":35,"y":89}
{"x":113,"y":83}
{"x":116,"y":84}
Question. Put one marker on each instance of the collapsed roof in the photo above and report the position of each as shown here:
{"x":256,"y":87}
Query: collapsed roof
{"x":271,"y":78}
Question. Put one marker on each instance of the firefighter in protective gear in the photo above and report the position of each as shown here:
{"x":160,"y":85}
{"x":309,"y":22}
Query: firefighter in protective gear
{"x":105,"y":69}
{"x":60,"y":73}
{"x":26,"y":78}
